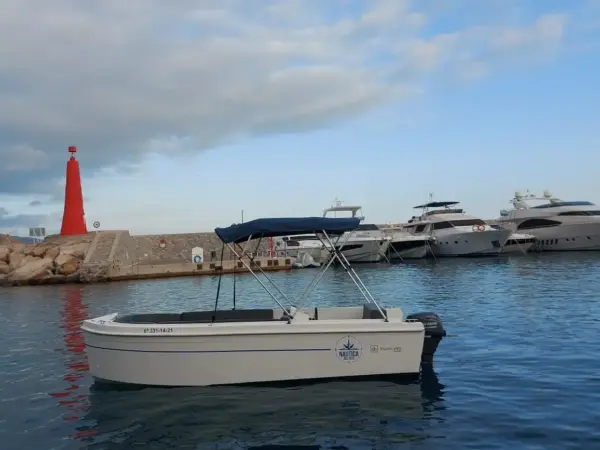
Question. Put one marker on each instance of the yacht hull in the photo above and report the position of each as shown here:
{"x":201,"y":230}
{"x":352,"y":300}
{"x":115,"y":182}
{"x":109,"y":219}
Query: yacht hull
{"x":568,"y":237}
{"x":473,"y":243}
{"x":226,"y":353}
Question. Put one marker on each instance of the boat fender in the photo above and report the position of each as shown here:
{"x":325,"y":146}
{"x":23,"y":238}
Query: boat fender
{"x":434,"y":332}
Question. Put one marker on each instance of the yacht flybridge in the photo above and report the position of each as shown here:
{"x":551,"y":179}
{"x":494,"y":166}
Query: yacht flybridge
{"x":455,"y":233}
{"x":224,"y":346}
{"x":556,"y":224}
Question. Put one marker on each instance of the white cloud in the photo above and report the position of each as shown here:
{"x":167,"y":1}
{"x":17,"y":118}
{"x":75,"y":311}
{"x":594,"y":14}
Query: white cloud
{"x":122,"y":79}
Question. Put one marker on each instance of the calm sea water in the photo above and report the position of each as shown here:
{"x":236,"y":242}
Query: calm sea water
{"x":521,"y":370}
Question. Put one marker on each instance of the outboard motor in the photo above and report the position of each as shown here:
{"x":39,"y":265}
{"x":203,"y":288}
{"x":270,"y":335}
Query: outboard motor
{"x":434,"y":332}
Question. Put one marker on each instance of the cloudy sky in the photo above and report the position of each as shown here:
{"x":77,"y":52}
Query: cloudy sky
{"x":186,"y":112}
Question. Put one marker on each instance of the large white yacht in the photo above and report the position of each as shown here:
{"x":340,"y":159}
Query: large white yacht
{"x":367,"y":244}
{"x":557,"y":224}
{"x":455,"y":233}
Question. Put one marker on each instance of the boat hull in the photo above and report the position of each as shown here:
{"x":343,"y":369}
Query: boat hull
{"x":568,"y":237}
{"x":364,"y":250}
{"x":258,"y":352}
{"x":472,"y":243}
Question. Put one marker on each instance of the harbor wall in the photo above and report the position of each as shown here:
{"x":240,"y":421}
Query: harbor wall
{"x":118,"y":255}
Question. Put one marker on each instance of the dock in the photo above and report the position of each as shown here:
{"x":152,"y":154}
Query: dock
{"x":155,"y":271}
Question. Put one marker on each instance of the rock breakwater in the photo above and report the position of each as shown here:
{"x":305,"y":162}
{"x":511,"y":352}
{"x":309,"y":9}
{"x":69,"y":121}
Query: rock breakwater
{"x":55,"y":260}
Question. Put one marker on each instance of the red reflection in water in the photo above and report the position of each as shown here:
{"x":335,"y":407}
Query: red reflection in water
{"x":77,"y":404}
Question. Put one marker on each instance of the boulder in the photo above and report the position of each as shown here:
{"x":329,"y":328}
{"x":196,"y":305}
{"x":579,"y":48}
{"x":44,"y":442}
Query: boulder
{"x":18,"y":247}
{"x":28,"y":249}
{"x":77,"y":250}
{"x":32,"y":269}
{"x":15,"y":260}
{"x":64,"y":258}
{"x":4,"y":252}
{"x":4,"y":268}
{"x":67,"y":264}
{"x":52,"y":252}
{"x":41,"y":250}
{"x":5,"y":239}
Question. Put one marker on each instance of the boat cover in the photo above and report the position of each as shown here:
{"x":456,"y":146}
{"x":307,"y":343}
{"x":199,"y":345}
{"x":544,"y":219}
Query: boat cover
{"x":259,"y":228}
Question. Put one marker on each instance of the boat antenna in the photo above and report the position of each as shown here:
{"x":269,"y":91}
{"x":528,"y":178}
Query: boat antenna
{"x":214,"y":316}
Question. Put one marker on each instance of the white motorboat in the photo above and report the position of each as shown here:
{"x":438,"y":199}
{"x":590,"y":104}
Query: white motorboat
{"x":404,"y":245}
{"x":367,"y":244}
{"x":236,"y":346}
{"x":294,"y":246}
{"x":455,"y":233}
{"x":557,"y":225}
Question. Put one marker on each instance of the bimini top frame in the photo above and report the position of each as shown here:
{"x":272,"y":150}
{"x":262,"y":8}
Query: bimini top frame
{"x":324,"y":228}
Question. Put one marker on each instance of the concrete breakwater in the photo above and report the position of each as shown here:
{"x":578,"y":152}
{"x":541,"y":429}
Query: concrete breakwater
{"x":118,"y":255}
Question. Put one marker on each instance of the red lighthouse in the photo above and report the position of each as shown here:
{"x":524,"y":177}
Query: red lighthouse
{"x":73,"y":216}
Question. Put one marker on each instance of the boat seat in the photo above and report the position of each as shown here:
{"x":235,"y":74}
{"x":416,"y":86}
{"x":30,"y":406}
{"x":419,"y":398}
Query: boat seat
{"x":234,"y":315}
{"x":370,"y":311}
{"x":150,"y":318}
{"x":237,"y":315}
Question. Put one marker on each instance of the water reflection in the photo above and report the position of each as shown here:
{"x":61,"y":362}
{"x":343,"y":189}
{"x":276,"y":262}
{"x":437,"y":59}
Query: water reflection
{"x":74,"y":398}
{"x":391,"y":409}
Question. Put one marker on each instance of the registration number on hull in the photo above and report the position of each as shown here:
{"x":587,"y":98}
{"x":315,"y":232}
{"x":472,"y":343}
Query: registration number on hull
{"x":156,"y":330}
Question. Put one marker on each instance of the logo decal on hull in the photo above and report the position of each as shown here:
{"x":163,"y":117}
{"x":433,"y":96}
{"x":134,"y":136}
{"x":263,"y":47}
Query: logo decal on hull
{"x":348,"y":349}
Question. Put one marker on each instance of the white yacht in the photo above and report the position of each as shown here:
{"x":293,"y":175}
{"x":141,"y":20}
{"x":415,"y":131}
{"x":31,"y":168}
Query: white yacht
{"x":367,"y":244}
{"x":455,"y":233}
{"x":557,"y":224}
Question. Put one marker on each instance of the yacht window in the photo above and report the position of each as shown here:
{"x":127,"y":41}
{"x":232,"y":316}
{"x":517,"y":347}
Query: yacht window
{"x":420,"y":228}
{"x":458,"y":223}
{"x":467,"y":222}
{"x":538,"y":223}
{"x":557,"y":204}
{"x":442,"y":225}
{"x":293,"y":244}
{"x":580,"y":213}
{"x":574,"y":213}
